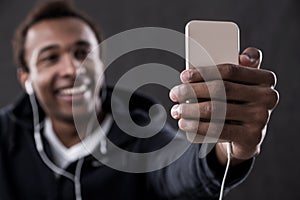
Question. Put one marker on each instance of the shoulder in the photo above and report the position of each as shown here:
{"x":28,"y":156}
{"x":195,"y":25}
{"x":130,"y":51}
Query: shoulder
{"x":4,"y":121}
{"x":4,"y":118}
{"x":138,"y":115}
{"x":122,"y":97}
{"x":16,"y":115}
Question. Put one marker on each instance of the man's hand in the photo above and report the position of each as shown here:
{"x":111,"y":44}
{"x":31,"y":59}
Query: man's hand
{"x":250,"y":98}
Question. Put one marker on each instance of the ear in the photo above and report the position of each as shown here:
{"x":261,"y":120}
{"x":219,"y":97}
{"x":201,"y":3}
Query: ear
{"x":23,"y":77}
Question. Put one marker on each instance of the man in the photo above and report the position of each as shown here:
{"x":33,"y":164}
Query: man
{"x":41,"y":151}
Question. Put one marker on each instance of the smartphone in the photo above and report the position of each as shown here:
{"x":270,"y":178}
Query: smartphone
{"x":209,"y":43}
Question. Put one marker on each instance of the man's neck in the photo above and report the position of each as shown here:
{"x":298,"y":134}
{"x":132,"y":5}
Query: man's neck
{"x":67,"y":133}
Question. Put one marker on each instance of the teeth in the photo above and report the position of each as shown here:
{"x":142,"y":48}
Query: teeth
{"x":73,"y":91}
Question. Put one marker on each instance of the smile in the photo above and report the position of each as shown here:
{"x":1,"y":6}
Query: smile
{"x":73,"y":91}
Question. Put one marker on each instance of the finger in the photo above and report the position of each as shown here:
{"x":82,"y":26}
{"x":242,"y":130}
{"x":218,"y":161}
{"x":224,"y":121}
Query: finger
{"x":251,"y":57}
{"x":245,"y":135}
{"x":214,"y":110}
{"x":232,"y":73}
{"x":230,"y":132}
{"x":217,"y":90}
{"x":226,"y":91}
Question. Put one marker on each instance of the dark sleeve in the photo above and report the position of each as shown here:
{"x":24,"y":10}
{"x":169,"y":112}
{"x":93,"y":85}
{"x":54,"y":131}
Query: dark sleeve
{"x":236,"y":174}
{"x":190,"y":177}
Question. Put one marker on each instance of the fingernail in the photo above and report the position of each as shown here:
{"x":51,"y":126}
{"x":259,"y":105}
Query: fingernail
{"x":186,"y":75}
{"x":172,"y":95}
{"x":182,"y":124}
{"x":251,"y":59}
{"x":175,"y":111}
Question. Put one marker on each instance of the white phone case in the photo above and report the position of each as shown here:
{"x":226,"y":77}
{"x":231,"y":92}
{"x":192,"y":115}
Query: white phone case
{"x":209,"y":43}
{"x":219,"y":39}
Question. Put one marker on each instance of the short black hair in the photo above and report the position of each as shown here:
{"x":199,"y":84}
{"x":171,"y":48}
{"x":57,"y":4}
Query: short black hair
{"x":49,"y":9}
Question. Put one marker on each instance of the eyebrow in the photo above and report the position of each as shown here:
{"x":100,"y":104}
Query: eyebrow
{"x":47,"y":48}
{"x":82,"y":43}
{"x":55,"y":46}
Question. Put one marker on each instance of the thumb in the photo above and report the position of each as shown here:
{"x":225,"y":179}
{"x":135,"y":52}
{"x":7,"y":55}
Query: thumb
{"x":251,"y":57}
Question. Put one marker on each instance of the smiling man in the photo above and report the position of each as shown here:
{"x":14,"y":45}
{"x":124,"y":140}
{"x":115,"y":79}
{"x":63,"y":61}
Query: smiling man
{"x":42,"y":155}
{"x":54,"y":50}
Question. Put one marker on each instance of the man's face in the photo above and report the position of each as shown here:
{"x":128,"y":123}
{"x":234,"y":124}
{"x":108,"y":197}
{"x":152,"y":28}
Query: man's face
{"x":54,"y":52}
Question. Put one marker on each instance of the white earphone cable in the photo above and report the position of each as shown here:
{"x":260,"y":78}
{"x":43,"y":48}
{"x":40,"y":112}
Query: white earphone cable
{"x":226,"y":170}
{"x":39,"y":145}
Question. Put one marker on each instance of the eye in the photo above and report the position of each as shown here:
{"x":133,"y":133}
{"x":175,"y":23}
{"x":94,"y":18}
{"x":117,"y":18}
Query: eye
{"x":51,"y":58}
{"x":81,"y":53}
{"x":48,"y":59}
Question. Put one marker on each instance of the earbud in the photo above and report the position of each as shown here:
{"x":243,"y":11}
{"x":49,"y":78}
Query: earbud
{"x":28,"y":87}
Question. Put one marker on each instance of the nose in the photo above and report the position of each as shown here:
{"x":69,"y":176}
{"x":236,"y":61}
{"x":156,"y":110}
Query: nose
{"x":70,"y":66}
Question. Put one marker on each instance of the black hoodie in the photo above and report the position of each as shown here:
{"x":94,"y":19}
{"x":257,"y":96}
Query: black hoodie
{"x":23,"y":174}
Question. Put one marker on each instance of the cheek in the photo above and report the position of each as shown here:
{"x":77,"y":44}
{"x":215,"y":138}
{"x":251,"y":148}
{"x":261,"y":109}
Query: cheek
{"x":42,"y":83}
{"x":95,"y":71}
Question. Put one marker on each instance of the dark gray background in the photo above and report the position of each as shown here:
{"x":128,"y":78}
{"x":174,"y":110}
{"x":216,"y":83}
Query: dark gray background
{"x":271,"y":25}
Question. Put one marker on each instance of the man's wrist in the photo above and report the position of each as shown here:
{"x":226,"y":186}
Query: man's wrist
{"x":237,"y":172}
{"x":221,"y":155}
